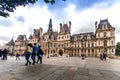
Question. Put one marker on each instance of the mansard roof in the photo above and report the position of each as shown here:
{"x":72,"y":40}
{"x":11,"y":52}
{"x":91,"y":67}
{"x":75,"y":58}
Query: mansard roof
{"x":21,"y":37}
{"x":64,"y":29}
{"x":65,"y":26}
{"x":104,"y":22}
{"x":55,"y":34}
{"x":85,"y":35}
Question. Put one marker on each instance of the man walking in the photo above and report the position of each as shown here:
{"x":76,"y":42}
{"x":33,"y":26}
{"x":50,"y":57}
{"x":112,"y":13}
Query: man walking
{"x":34,"y":53}
{"x":104,"y":56}
{"x":5,"y":52}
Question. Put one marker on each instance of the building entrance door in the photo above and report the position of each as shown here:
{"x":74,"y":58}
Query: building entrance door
{"x":60,"y":52}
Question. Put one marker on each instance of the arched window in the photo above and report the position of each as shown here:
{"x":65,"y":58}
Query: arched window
{"x":105,"y":43}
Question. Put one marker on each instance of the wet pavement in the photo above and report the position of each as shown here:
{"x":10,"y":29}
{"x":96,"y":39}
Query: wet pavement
{"x":61,"y":68}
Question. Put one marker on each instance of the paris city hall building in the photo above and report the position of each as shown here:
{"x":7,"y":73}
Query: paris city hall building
{"x":62,"y":43}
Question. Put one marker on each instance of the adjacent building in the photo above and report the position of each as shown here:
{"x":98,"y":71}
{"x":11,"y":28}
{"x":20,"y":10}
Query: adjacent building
{"x":20,"y":44}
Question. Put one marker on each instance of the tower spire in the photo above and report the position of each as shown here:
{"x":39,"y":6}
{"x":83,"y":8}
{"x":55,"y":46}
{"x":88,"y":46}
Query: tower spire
{"x":50,"y":26}
{"x":50,"y":30}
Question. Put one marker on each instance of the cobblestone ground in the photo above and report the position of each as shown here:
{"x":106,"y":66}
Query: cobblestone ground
{"x":61,"y":68}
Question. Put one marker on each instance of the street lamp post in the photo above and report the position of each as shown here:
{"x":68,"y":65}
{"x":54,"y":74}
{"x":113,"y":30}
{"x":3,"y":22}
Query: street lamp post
{"x":49,"y":38}
{"x":48,"y":49}
{"x":83,"y":51}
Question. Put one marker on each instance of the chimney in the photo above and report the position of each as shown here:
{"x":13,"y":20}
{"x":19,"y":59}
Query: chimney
{"x":95,"y":25}
{"x":60,"y":27}
{"x":70,"y":26}
{"x":41,"y":32}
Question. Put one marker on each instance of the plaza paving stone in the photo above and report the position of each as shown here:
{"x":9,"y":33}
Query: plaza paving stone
{"x":61,"y":68}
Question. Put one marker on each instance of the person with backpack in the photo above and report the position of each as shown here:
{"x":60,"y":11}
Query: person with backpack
{"x":40,"y":55}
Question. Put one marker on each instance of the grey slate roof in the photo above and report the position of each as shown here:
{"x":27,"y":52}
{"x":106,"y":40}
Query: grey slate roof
{"x":102,"y":22}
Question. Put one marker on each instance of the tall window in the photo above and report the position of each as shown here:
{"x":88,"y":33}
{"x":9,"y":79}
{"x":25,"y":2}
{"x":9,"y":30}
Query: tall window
{"x":104,"y":34}
{"x":105,"y":43}
{"x":112,"y":50}
{"x":112,"y":42}
{"x":99,"y":42}
{"x":105,"y":26}
{"x":92,"y":50}
{"x":88,"y":50}
{"x":99,"y":50}
{"x":98,"y":34}
{"x":92,"y":44}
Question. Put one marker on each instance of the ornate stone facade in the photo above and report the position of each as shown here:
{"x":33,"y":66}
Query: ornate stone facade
{"x":64,"y":44}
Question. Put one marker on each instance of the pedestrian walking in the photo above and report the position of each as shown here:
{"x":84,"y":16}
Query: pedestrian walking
{"x":0,"y":53}
{"x":104,"y":56}
{"x":28,"y":52}
{"x":5,"y":53}
{"x":101,"y":56}
{"x":17,"y":56}
{"x":83,"y":56}
{"x":34,"y":53}
{"x":40,"y":55}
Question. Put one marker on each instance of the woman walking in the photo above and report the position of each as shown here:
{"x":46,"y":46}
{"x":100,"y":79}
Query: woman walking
{"x":28,"y":53}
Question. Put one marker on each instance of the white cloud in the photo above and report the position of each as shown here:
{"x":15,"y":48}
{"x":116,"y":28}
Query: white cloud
{"x":83,"y":21}
{"x":38,"y":16}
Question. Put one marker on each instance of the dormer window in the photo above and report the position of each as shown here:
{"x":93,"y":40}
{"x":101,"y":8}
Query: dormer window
{"x":105,"y":26}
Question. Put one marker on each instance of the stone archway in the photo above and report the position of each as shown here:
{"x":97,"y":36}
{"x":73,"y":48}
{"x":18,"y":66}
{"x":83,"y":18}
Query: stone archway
{"x":60,"y":52}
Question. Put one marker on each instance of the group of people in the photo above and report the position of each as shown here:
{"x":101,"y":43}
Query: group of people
{"x":3,"y":54}
{"x":33,"y":51}
{"x":103,"y":56}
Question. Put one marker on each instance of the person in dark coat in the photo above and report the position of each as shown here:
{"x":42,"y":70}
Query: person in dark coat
{"x":104,"y":56}
{"x":101,"y":56}
{"x":5,"y":52}
{"x":17,"y":56}
{"x":40,"y":55}
{"x":0,"y":53}
{"x":83,"y":56}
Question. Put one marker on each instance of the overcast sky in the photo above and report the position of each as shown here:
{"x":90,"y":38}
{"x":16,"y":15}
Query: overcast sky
{"x":82,"y":14}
